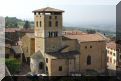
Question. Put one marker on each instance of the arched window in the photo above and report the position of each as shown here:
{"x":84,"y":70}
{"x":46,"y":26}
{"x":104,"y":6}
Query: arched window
{"x":88,"y":60}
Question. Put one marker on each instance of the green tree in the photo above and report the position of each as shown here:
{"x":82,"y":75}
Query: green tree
{"x":91,"y":31}
{"x":27,"y":25}
{"x":11,"y":22}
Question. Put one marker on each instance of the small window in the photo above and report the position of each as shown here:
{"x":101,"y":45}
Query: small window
{"x":113,"y":54}
{"x":50,"y":17}
{"x":55,"y":17}
{"x":46,"y":60}
{"x":56,"y":23}
{"x":55,"y":34}
{"x":50,"y":24}
{"x":40,"y":23}
{"x":41,"y":65}
{"x":37,"y":23}
{"x":46,"y":69}
{"x":50,"y":34}
{"x":85,"y":47}
{"x":90,"y":46}
{"x":88,"y":60}
{"x":60,"y":68}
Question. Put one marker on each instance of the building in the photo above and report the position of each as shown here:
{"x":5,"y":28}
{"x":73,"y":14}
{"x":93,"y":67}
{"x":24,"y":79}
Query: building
{"x":28,"y":45}
{"x":65,"y":54}
{"x":13,"y":35}
{"x":92,"y":56}
{"x":113,"y":57}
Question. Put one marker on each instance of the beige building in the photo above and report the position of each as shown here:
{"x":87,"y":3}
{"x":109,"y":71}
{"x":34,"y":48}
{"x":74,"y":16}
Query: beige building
{"x":113,"y":57}
{"x":92,"y":52}
{"x":28,"y":45}
{"x":62,"y":54}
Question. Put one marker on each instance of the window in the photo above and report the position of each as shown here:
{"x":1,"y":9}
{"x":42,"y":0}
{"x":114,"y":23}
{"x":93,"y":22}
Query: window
{"x":88,"y":60}
{"x":37,"y":23}
{"x":113,"y":54}
{"x":56,"y":23}
{"x":50,"y":34}
{"x":90,"y":46}
{"x":55,"y":17}
{"x":60,"y":68}
{"x":86,"y":47}
{"x":46,"y":60}
{"x":55,"y":34}
{"x":50,"y":17}
{"x":40,"y":23}
{"x":46,"y":69}
{"x":50,"y":24}
{"x":41,"y":65}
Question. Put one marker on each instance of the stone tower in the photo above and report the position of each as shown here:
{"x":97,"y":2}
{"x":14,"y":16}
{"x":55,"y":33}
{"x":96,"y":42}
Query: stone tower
{"x":48,"y":29}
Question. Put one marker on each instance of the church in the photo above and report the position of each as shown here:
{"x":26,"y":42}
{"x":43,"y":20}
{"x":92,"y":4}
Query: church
{"x":58,"y":54}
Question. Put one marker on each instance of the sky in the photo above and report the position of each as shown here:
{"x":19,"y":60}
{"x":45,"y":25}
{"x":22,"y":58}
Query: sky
{"x":77,"y":12}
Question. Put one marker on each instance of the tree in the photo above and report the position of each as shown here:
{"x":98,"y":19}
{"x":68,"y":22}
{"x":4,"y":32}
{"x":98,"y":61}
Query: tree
{"x":27,"y":25}
{"x":11,"y":22}
{"x":91,"y":31}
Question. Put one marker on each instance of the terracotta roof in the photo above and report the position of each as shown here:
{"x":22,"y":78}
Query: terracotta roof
{"x":113,"y":45}
{"x":48,"y":9}
{"x":87,"y":37}
{"x":73,"y":32}
{"x":11,"y":29}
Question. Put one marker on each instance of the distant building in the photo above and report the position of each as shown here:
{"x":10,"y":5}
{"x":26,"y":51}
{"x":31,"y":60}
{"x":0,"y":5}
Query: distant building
{"x":113,"y":57}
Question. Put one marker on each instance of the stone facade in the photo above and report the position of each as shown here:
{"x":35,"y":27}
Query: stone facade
{"x":66,"y":55}
{"x":28,"y":44}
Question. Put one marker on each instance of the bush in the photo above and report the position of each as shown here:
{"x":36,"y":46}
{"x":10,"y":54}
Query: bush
{"x":13,"y":65}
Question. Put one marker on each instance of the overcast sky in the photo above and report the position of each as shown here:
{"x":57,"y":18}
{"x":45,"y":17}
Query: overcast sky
{"x":76,"y":11}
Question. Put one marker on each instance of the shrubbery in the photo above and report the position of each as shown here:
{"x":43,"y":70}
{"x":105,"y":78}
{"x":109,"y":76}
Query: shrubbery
{"x":13,"y":65}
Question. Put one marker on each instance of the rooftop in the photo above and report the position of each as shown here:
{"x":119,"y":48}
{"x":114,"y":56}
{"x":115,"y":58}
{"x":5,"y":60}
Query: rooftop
{"x":113,"y":45}
{"x":48,"y":9}
{"x":69,"y":54}
{"x":87,"y":37}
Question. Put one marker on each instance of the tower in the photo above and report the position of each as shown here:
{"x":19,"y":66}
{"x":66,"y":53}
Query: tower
{"x":48,"y":29}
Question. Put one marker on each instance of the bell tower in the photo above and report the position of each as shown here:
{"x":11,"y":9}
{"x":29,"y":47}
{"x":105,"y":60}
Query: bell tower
{"x":48,"y":29}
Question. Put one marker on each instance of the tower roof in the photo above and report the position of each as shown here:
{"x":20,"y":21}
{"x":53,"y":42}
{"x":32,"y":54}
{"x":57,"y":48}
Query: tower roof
{"x":48,"y":9}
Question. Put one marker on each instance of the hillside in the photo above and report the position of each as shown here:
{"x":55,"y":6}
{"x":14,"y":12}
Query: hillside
{"x":13,"y":22}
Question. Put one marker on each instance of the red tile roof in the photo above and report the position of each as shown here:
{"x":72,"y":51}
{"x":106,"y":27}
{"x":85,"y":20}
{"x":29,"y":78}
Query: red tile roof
{"x":48,"y":9}
{"x":87,"y":37}
{"x":113,"y":45}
